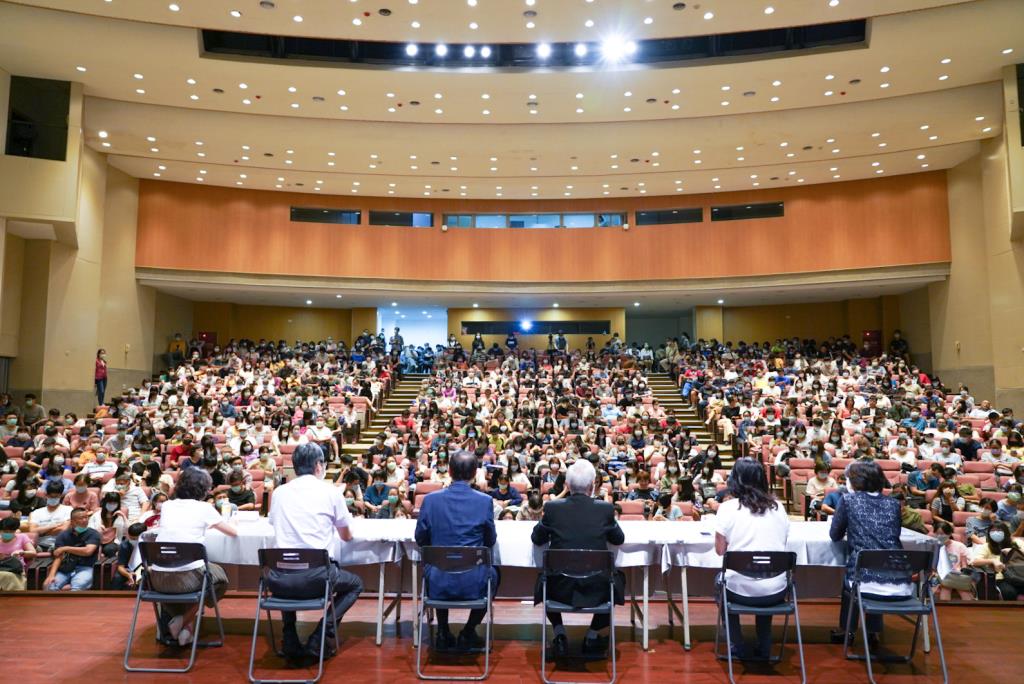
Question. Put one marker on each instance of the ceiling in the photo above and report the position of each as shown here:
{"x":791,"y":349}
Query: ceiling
{"x":494,"y":20}
{"x":701,"y":133}
{"x":639,"y":299}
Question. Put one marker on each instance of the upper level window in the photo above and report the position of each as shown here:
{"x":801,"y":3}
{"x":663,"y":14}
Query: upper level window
{"x":407,"y":219}
{"x":738,"y":212}
{"x":347,"y":217}
{"x":663,"y":216}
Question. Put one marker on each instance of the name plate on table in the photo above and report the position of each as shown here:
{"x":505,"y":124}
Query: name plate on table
{"x":247,"y":517}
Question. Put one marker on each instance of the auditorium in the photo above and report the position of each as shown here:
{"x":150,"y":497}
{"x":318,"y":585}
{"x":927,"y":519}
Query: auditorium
{"x":561,"y":341}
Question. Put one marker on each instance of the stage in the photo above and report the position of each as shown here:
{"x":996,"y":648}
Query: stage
{"x":81,"y":638}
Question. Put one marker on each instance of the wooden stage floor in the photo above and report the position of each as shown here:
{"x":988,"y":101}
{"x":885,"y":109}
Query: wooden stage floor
{"x":81,"y":638}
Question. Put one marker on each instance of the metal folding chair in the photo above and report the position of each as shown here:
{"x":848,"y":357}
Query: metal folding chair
{"x":285,"y":561}
{"x":454,"y":560}
{"x":577,"y":564}
{"x":759,"y":565}
{"x":170,"y":557}
{"x":919,"y":605}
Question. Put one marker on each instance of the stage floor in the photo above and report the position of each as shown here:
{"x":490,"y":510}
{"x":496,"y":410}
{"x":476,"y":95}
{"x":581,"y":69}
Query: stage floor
{"x":84,"y":637}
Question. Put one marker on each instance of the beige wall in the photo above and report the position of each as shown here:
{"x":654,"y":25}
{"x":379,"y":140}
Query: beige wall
{"x":363,"y":318}
{"x":12,"y":249}
{"x":915,"y":323}
{"x":27,"y":369}
{"x":816,"y":320}
{"x":172,"y":315}
{"x":708,"y":323}
{"x":271,"y":322}
{"x":616,"y":316}
{"x":961,"y":320}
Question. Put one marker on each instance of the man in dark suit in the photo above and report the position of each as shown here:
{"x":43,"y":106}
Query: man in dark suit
{"x":579,"y":522}
{"x":458,"y":516}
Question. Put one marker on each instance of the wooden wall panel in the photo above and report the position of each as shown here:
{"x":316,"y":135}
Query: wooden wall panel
{"x":897,"y":221}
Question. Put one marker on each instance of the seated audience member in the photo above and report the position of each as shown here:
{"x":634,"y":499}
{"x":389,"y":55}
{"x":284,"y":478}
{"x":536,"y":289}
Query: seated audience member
{"x":377,"y":493}
{"x":125,"y":575}
{"x":978,"y":525}
{"x":458,"y":516}
{"x":74,"y":555}
{"x":81,"y":496}
{"x":505,"y":495}
{"x":868,"y":520}
{"x":579,"y":522}
{"x":534,"y":507}
{"x":947,"y":502}
{"x":133,"y":499}
{"x":751,"y":520}
{"x":909,"y":517}
{"x":959,"y":560}
{"x":919,"y":482}
{"x":241,"y":496}
{"x":151,"y":518}
{"x":308,"y":513}
{"x":111,"y":523}
{"x":666,"y":510}
{"x":100,"y":470}
{"x":818,"y":486}
{"x":16,"y":552}
{"x":185,"y":519}
{"x":644,"y":491}
{"x":50,"y":520}
{"x":992,"y":556}
{"x":1011,"y":509}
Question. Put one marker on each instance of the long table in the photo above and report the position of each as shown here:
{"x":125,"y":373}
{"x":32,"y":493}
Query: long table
{"x":663,"y":545}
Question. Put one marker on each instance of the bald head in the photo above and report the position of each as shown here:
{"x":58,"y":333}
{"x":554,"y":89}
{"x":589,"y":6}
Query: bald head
{"x":463,"y":466}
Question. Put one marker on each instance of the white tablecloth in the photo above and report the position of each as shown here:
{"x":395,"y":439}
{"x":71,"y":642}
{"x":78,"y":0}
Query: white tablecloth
{"x":690,"y":544}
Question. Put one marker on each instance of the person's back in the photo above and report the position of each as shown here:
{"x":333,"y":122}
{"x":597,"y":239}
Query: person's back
{"x":579,"y":522}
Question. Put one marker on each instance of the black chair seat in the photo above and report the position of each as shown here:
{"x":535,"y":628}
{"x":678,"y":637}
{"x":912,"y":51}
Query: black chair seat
{"x":470,"y":604}
{"x":908,"y":606}
{"x":159,"y":597}
{"x":558,"y":607}
{"x":778,"y":609}
{"x":274,"y":603}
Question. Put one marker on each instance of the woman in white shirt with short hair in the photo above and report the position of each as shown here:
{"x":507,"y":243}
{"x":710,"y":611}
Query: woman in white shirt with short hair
{"x":751,"y":520}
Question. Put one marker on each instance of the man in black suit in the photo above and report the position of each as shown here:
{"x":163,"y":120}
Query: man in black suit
{"x":579,"y":522}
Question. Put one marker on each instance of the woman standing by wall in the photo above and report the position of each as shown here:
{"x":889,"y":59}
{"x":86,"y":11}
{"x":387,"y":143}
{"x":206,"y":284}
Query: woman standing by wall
{"x":101,"y":375}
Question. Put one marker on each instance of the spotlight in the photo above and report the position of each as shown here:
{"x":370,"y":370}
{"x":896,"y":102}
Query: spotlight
{"x":440,"y":49}
{"x":580,"y":49}
{"x":485,"y":52}
{"x":469,"y":52}
{"x":543,"y":50}
{"x":412,"y":49}
{"x":525,"y":325}
{"x":617,"y":48}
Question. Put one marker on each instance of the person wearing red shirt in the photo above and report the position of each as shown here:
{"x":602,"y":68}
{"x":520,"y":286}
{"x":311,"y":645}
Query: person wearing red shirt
{"x":101,"y":376}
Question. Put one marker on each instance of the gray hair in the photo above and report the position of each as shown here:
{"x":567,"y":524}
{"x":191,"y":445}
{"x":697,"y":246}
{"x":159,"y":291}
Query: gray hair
{"x":305,"y":457}
{"x":580,"y":477}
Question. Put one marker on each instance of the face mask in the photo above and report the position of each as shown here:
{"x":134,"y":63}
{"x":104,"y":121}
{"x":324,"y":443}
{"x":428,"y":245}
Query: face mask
{"x":442,"y":469}
{"x":221,"y":503}
{"x":59,"y":460}
{"x":7,"y":536}
{"x":53,"y":501}
{"x":942,"y":538}
{"x":30,"y":493}
{"x":158,"y":505}
{"x":100,"y":458}
{"x":80,"y":489}
{"x":236,"y":488}
{"x":12,"y":421}
{"x":111,"y":507}
{"x":80,"y":530}
{"x":349,"y":502}
{"x":997,"y":536}
{"x":29,"y":402}
{"x":945,"y":450}
{"x":393,"y":500}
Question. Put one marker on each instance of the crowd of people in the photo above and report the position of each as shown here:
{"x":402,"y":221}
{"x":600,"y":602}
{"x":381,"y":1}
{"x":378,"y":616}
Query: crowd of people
{"x":237,"y":412}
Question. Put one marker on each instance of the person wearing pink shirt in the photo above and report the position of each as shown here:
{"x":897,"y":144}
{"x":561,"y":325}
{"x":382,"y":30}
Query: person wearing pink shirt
{"x":959,"y":559}
{"x":16,"y":549}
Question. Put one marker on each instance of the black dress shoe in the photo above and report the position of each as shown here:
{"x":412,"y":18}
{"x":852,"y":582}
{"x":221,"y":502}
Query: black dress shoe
{"x":444,"y":640}
{"x":559,"y":648}
{"x":312,"y":649}
{"x":837,"y":636}
{"x":598,"y":646}
{"x":291,"y":647}
{"x":469,"y":640}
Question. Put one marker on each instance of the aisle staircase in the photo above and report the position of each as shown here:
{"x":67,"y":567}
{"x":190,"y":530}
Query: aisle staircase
{"x":406,"y":389}
{"x":667,"y":393}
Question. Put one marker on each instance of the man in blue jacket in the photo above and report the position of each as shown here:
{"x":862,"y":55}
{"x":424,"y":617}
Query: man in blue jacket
{"x":458,"y":516}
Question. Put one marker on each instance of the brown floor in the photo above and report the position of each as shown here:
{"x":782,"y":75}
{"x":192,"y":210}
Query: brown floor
{"x":84,"y":638}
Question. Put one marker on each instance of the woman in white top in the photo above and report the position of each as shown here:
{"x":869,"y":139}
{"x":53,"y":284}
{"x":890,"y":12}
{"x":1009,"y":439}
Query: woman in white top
{"x":751,"y":520}
{"x":185,"y":519}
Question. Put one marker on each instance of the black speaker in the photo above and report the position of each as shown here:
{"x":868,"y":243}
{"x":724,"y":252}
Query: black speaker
{"x":37,"y":119}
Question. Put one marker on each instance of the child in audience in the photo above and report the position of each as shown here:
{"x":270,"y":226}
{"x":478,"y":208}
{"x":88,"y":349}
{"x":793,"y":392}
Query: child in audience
{"x":959,"y":560}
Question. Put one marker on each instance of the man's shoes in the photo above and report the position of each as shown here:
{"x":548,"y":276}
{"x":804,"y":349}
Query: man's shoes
{"x":444,"y":640}
{"x":598,"y":646}
{"x":837,"y":636}
{"x":469,"y":640}
{"x":559,"y":648}
{"x":312,"y":649}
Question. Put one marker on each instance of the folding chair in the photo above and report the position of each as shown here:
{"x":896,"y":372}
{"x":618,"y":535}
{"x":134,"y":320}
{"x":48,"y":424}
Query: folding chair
{"x":577,"y":564}
{"x":285,"y":561}
{"x":920,"y":604}
{"x":759,"y":565}
{"x":167,"y":557}
{"x":454,"y":560}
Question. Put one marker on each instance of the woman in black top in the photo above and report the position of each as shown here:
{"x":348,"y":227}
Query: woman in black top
{"x":869,"y":521}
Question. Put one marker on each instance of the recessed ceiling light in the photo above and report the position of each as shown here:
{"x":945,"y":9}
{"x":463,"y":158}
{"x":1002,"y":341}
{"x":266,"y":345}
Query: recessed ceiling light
{"x":944,"y":77}
{"x":979,"y":118}
{"x":775,"y":98}
{"x":235,"y":13}
{"x":292,"y":89}
{"x":884,"y":70}
{"x":102,"y":134}
{"x":945,"y":60}
{"x":725,"y":103}
{"x":769,"y":10}
{"x":486,"y":112}
{"x":741,"y":158}
{"x":726,"y":88}
{"x":933,"y":137}
{"x":589,"y":23}
{"x":105,"y":144}
{"x":829,"y":77}
{"x":579,"y":110}
{"x":884,"y":85}
{"x":721,"y":301}
{"x":708,"y":16}
{"x":790,"y":155}
{"x":875,"y":135}
{"x":297,"y":18}
{"x":627,"y":109}
{"x":1007,"y":51}
{"x":190,"y":81}
{"x":81,"y":68}
{"x":555,"y":305}
{"x":648,"y":20}
{"x":986,"y":129}
{"x":882,"y":144}
{"x":530,"y":25}
{"x":174,"y":7}
{"x":833,"y":3}
{"x":295,"y":105}
{"x":776,"y":83}
{"x":357,"y":21}
{"x":828,"y":93}
{"x":154,"y":149}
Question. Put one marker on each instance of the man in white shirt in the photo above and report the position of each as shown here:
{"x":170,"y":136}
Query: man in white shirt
{"x":50,"y":520}
{"x":308,"y":513}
